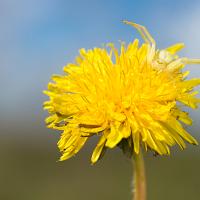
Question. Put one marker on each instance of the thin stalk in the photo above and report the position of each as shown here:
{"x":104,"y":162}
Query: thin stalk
{"x":139,"y":178}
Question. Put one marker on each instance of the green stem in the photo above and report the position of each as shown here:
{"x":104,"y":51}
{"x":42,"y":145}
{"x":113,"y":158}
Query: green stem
{"x":139,"y":191}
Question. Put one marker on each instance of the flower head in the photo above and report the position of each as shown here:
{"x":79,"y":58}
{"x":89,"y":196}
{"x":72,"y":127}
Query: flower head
{"x":131,"y":99}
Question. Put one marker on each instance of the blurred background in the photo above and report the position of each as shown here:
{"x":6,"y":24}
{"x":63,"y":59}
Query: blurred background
{"x":37,"y":38}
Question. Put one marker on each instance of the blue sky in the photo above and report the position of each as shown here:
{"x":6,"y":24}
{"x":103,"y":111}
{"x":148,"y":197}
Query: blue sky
{"x":38,"y":37}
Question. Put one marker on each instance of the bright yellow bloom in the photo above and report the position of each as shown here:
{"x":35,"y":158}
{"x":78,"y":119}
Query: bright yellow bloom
{"x":130,"y":99}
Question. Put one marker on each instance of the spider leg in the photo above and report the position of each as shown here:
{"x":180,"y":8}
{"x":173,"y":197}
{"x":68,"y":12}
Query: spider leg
{"x":190,"y":61}
{"x":143,"y":32}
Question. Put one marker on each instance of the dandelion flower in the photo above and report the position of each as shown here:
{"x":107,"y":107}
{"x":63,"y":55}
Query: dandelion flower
{"x":131,"y":98}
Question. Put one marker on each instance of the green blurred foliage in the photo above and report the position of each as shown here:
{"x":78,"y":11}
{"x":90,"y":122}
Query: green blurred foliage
{"x":29,"y":171}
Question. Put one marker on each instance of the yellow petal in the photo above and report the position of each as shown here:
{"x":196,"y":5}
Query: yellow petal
{"x":136,"y":141}
{"x":98,"y":149}
{"x":114,"y":137}
{"x":175,"y":48}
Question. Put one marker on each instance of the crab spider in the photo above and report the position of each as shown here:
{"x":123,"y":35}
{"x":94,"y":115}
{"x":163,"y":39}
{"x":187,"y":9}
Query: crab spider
{"x":165,"y":59}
